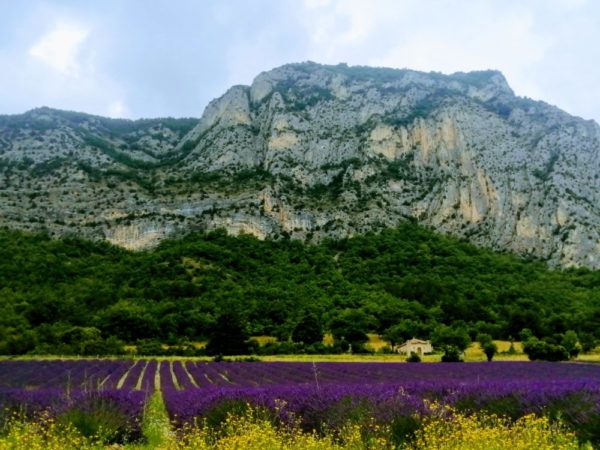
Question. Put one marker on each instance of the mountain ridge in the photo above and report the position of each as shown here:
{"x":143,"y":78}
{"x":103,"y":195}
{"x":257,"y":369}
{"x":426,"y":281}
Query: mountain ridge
{"x":312,"y":151}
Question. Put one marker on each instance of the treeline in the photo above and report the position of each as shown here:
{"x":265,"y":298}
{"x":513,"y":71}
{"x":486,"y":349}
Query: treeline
{"x":45,"y":118}
{"x":76,"y":296}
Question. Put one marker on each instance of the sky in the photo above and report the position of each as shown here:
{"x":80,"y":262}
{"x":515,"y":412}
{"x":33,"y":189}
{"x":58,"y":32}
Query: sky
{"x":156,"y":58}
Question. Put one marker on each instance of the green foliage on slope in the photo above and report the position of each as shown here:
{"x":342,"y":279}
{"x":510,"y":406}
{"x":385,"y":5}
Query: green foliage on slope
{"x":408,"y":280}
{"x":45,"y":118}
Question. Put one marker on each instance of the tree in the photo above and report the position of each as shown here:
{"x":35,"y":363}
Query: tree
{"x":404,"y":283}
{"x":587,"y":341}
{"x":452,"y":340}
{"x":490,"y":349}
{"x":308,"y":330}
{"x":487,"y":345}
{"x":228,"y":337}
{"x":87,"y":341}
{"x":570,"y":342}
{"x":395,"y":334}
{"x":414,"y":358}
{"x":128,"y":321}
{"x":109,"y":346}
{"x":351,"y":325}
{"x":149,"y":348}
{"x":451,"y":354}
{"x":406,"y":329}
{"x":537,"y":349}
{"x":445,"y":336}
{"x":483,"y":339}
{"x":525,"y":334}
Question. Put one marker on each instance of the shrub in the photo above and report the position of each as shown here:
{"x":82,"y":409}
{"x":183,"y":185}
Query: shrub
{"x":100,"y":419}
{"x":414,"y":358}
{"x":455,"y":337}
{"x":542,"y":350}
{"x":570,"y":342}
{"x":43,"y":433}
{"x":228,"y":337}
{"x":308,"y":330}
{"x":484,"y":339}
{"x":150,"y":348}
{"x":451,"y":354}
{"x":491,"y":432}
{"x":490,"y":349}
{"x":217,"y":417}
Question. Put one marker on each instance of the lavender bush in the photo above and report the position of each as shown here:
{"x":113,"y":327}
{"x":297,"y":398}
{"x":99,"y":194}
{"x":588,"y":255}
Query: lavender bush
{"x":320,"y":396}
{"x":326,"y":395}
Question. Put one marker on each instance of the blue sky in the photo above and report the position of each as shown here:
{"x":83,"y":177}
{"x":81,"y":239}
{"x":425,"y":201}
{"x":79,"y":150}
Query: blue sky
{"x":135,"y":58}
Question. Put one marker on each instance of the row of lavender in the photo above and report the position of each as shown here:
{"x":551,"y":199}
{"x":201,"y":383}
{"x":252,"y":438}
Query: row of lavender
{"x":68,"y":374}
{"x":111,"y":394}
{"x":320,"y":394}
{"x":325,"y":395}
{"x":98,"y":375}
{"x":227,"y":374}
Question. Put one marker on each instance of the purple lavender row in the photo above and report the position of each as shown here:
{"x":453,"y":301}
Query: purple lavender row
{"x":258,"y":374}
{"x":133,"y":376}
{"x":88,"y":374}
{"x":197,"y":370}
{"x":223,"y":375}
{"x":34,"y":374}
{"x":119,"y":369}
{"x":130,"y":404}
{"x":182,"y":376}
{"x":167,"y":383}
{"x":210,"y":375}
{"x":149,"y":376}
{"x":91,"y":375}
{"x":579,"y":399}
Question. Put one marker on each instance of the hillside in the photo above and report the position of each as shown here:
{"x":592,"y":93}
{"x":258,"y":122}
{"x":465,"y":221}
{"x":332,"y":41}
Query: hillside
{"x":54,"y":291}
{"x":311,"y":151}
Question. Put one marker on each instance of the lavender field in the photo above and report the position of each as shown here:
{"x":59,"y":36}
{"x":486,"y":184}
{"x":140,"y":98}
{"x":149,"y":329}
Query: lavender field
{"x":320,"y":395}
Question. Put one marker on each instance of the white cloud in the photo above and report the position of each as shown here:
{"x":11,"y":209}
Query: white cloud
{"x":568,"y":4}
{"x":335,"y":25}
{"x":445,"y":36}
{"x":509,"y":43}
{"x":83,"y":56}
{"x":62,"y":66}
{"x":310,"y":4}
{"x":60,"y":48}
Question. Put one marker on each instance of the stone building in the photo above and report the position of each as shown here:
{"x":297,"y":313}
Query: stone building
{"x":414,"y":346}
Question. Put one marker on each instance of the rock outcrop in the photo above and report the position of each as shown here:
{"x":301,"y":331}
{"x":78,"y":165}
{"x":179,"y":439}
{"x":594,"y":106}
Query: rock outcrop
{"x":310,"y":151}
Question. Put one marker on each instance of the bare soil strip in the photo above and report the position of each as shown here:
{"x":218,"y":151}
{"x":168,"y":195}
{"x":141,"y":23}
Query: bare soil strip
{"x":126,"y":374}
{"x":138,"y":385}
{"x":189,"y":375}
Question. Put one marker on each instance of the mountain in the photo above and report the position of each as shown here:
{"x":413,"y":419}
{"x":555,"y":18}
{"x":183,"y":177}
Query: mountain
{"x":311,"y":151}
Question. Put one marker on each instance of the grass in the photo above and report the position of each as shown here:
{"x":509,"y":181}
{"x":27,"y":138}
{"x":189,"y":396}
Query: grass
{"x":262,"y":340}
{"x":157,"y":427}
{"x":376,"y":342}
{"x":589,"y":357}
{"x":473,"y":354}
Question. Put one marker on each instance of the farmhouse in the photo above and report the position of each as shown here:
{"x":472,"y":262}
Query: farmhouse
{"x":414,"y":346}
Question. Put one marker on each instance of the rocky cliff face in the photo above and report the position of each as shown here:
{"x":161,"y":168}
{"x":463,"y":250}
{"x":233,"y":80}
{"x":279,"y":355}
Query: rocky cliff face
{"x":310,"y":151}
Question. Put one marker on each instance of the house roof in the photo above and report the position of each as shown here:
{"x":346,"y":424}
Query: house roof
{"x":414,"y":342}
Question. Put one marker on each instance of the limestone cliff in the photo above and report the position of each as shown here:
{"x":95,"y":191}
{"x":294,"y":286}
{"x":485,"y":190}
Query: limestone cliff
{"x":311,"y":151}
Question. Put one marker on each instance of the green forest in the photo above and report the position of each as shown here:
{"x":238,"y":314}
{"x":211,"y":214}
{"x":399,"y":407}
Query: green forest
{"x":75,"y":296}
